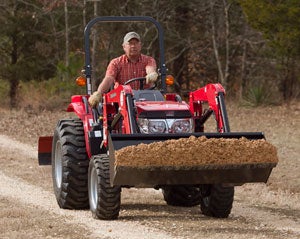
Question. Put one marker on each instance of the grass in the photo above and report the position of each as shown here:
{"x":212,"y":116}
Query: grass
{"x":56,"y":93}
{"x":51,"y":94}
{"x":257,"y":96}
{"x":4,"y":90}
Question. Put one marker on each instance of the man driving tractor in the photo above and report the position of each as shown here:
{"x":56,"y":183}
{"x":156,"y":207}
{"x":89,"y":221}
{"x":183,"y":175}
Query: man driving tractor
{"x":130,"y":65}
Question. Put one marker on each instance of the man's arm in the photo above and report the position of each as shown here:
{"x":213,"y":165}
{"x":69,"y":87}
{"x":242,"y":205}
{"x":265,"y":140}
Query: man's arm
{"x":105,"y":84}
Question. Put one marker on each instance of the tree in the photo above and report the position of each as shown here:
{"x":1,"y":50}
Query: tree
{"x":23,"y":45}
{"x":205,"y":41}
{"x":223,"y":72}
{"x":280,"y":24}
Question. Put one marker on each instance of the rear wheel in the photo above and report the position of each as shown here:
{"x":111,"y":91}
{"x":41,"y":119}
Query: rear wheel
{"x":104,"y":199}
{"x":70,"y":165}
{"x":184,"y":196}
{"x":216,"y":200}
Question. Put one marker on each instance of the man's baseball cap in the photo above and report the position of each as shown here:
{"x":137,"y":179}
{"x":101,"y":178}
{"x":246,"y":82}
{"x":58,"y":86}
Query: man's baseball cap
{"x":131,"y":35}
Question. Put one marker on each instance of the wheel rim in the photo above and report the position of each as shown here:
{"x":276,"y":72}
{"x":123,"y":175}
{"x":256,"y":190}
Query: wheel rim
{"x":93,"y":193}
{"x":58,"y":164}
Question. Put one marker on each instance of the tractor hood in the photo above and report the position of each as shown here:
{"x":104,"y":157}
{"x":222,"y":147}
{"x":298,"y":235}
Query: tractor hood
{"x":163,"y":109}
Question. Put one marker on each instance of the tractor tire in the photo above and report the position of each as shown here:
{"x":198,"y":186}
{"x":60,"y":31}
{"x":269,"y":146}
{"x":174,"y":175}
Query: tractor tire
{"x":70,"y":165}
{"x":183,"y":196}
{"x":104,"y":199}
{"x":216,"y":200}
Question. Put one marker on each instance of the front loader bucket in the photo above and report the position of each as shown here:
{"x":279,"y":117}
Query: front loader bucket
{"x":151,"y":176}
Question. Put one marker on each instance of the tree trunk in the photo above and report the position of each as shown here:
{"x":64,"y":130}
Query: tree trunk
{"x":14,"y":80}
{"x":214,"y":42}
{"x":227,"y":33}
{"x":180,"y":61}
{"x":95,"y":34}
{"x":84,"y":14}
{"x":289,"y":80}
{"x":67,"y":34}
{"x":223,"y":73}
{"x":242,"y":82}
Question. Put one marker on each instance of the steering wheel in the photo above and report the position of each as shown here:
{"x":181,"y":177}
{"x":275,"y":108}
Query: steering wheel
{"x":140,"y":79}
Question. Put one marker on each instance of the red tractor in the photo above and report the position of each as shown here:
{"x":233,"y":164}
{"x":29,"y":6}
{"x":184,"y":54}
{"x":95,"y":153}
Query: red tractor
{"x":82,"y":149}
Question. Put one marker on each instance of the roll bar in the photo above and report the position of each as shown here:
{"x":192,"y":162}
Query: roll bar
{"x":87,"y":30}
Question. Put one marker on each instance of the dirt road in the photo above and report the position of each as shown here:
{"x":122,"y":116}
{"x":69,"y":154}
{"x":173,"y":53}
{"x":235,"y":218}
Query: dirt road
{"x":28,"y":208}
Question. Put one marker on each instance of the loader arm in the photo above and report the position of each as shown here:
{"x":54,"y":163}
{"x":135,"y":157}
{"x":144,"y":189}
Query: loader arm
{"x":121,"y":99}
{"x":213,"y":94}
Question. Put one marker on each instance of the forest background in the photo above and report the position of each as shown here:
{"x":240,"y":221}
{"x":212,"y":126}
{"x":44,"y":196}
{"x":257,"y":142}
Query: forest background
{"x":251,"y":47}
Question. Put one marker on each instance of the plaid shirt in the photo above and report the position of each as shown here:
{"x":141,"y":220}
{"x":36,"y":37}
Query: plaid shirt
{"x":122,"y":69}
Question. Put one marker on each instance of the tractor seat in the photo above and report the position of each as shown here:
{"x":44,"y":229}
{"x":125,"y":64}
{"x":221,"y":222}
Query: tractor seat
{"x":148,"y":95}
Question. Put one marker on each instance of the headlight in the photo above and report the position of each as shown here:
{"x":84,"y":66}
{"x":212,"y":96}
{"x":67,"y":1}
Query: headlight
{"x":181,"y":126}
{"x":157,"y":126}
{"x":143,"y":125}
{"x":152,"y":126}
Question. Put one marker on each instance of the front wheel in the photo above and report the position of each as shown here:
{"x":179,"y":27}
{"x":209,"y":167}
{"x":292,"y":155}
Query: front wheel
{"x":104,"y":199}
{"x":216,"y":200}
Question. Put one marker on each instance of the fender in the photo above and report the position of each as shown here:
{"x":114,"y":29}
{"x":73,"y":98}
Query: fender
{"x":79,"y":105}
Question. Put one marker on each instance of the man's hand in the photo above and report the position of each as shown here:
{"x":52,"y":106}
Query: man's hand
{"x":95,"y":98}
{"x":151,"y":77}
